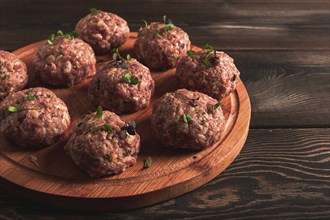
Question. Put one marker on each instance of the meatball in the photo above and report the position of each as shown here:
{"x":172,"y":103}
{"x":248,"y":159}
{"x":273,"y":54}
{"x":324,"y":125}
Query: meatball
{"x":103,"y":144}
{"x":64,"y":62}
{"x":186,"y":119}
{"x":13,"y":74}
{"x":122,"y":86}
{"x":160,"y":45}
{"x":208,"y":71}
{"x":34,"y":118}
{"x":103,"y":31}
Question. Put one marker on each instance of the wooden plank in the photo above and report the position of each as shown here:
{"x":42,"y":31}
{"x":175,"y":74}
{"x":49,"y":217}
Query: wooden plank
{"x":286,"y":89}
{"x":280,"y":174}
{"x":231,"y":25}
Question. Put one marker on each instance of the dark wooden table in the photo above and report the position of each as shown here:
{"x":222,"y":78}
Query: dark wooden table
{"x":281,"y":48}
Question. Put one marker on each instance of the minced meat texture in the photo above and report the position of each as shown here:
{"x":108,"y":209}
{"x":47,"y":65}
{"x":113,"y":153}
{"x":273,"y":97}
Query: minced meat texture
{"x":161,"y":48}
{"x":186,"y":119}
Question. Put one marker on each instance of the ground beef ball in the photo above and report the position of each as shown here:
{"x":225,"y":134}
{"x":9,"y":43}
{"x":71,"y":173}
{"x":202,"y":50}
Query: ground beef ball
{"x":13,"y":74}
{"x":122,"y":86}
{"x":160,"y":45}
{"x":65,"y":63}
{"x":103,"y":31}
{"x":103,"y":144}
{"x":213,"y":73}
{"x":34,"y":118}
{"x":186,"y":119}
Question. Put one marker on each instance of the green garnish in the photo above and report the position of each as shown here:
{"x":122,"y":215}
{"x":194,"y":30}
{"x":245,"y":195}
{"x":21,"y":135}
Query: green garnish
{"x":186,"y":118}
{"x":68,"y":36}
{"x":130,"y":80}
{"x":50,"y":42}
{"x":214,"y":107}
{"x":31,"y":97}
{"x":207,"y":62}
{"x":233,"y":78}
{"x":182,"y":46}
{"x":169,"y":27}
{"x":207,"y":46}
{"x":94,"y":11}
{"x":190,"y":53}
{"x":98,"y":115}
{"x":59,"y":33}
{"x":52,"y":37}
{"x":128,"y":57}
{"x":75,"y":34}
{"x":108,"y":127}
{"x":145,"y":23}
{"x":148,"y":162}
{"x":19,"y":109}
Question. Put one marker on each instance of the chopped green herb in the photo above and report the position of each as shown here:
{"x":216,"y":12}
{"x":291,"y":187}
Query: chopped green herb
{"x":50,"y":43}
{"x":127,"y":77}
{"x":68,"y":36}
{"x":98,"y":115}
{"x":207,"y":62}
{"x":52,"y":37}
{"x":19,"y":109}
{"x":207,"y":46}
{"x":145,"y":23}
{"x":115,"y":50}
{"x":75,"y":34}
{"x":128,"y":57}
{"x":59,"y":33}
{"x":135,"y":80}
{"x":214,"y":107}
{"x":182,"y":46}
{"x":186,"y":118}
{"x":148,"y":162}
{"x":130,"y":80}
{"x":31,"y":97}
{"x":233,"y":78}
{"x":203,"y":122}
{"x":168,"y":27}
{"x":108,"y":127}
{"x":94,"y":11}
{"x":190,"y":53}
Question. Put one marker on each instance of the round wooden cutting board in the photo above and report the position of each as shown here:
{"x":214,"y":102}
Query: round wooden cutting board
{"x":50,"y":176}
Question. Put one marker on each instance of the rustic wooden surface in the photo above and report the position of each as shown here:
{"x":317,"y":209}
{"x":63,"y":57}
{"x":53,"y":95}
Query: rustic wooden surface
{"x":282,"y":50}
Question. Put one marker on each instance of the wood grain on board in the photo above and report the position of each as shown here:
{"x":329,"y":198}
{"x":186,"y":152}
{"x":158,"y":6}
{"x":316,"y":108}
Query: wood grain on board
{"x":56,"y":180}
{"x":279,"y":174}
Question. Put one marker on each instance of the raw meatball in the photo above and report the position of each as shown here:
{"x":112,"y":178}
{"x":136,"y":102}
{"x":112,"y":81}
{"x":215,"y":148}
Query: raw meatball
{"x":213,"y":73}
{"x":13,"y":74}
{"x":103,"y":31}
{"x":103,"y":144}
{"x":160,"y":45}
{"x":186,"y":119}
{"x":34,"y":118}
{"x":122,"y":86}
{"x":66,"y":63}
